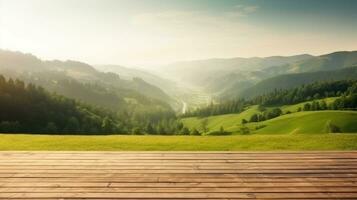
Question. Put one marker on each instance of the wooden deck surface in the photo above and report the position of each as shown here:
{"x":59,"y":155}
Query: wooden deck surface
{"x":178,"y":175}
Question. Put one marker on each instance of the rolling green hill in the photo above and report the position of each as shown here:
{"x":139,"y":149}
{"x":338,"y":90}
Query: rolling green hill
{"x":295,"y":107}
{"x":296,"y":122}
{"x":309,"y":122}
{"x":228,"y":121}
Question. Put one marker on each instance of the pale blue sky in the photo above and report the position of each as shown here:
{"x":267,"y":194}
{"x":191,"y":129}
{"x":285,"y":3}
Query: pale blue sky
{"x":149,"y":32}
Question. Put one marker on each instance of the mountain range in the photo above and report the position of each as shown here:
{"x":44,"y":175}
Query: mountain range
{"x":116,"y":86}
{"x":80,"y":81}
{"x":241,"y":77}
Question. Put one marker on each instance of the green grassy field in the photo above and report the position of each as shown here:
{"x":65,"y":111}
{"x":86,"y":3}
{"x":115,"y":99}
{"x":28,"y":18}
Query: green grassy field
{"x":295,"y":107}
{"x":179,"y":143}
{"x":229,"y":121}
{"x":295,"y":131}
{"x":314,"y":122}
{"x":309,"y":122}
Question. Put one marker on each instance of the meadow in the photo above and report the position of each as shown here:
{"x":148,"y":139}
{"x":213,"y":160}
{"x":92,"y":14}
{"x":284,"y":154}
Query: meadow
{"x":255,"y":142}
{"x":306,"y":122}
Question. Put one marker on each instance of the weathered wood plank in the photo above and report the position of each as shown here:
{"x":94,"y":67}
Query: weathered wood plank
{"x":181,"y":190}
{"x":208,"y":195}
{"x":178,"y":175}
{"x":176,"y":178}
{"x":175,"y":185}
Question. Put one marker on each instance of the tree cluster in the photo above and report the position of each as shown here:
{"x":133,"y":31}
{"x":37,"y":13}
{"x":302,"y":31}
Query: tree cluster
{"x":266,"y":115}
{"x":345,"y":102}
{"x":234,"y":106}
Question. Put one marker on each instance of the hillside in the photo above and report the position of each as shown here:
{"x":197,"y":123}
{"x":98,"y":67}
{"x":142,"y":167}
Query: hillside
{"x":309,"y":122}
{"x":48,"y":73}
{"x":144,"y":108}
{"x":228,"y":121}
{"x":232,"y":77}
{"x":30,"y":109}
{"x":295,"y":73}
{"x":218,"y":75}
{"x":258,"y":117}
{"x":130,"y":73}
{"x":188,"y":70}
{"x":332,"y":61}
{"x":295,"y":107}
{"x":288,"y":81}
{"x":298,"y":122}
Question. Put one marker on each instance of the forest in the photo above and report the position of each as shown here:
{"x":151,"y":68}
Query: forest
{"x":31,"y":109}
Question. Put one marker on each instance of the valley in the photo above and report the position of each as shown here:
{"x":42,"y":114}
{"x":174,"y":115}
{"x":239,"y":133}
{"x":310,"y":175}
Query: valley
{"x":178,"y":99}
{"x":240,"y":97}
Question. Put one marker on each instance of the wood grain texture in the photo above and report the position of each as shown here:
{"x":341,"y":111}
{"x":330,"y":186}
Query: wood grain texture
{"x":178,"y":175}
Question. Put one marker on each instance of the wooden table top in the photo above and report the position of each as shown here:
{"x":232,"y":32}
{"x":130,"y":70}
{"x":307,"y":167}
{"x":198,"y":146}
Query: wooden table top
{"x":178,"y":175}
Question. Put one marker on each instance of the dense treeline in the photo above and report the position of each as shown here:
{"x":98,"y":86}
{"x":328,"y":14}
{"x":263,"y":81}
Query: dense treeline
{"x":303,"y":93}
{"x":346,"y":101}
{"x":233,"y":106}
{"x":319,"y":90}
{"x":28,"y":108}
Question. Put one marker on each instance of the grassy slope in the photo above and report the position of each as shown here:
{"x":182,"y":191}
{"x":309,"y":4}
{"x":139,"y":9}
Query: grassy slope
{"x":215,"y":122}
{"x":180,"y":143}
{"x":295,"y":107}
{"x":301,"y":122}
{"x":313,"y":122}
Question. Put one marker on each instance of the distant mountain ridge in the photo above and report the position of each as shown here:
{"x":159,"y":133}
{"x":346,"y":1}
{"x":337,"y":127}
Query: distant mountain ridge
{"x":127,"y":73}
{"x":188,"y":70}
{"x":219,"y":75}
{"x":50,"y":73}
{"x":288,"y":81}
{"x":333,"y":66}
{"x":230,"y":77}
{"x":331,"y":61}
{"x":222,"y":78}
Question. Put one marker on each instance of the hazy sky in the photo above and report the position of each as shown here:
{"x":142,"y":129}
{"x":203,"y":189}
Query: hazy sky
{"x":147,"y":32}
